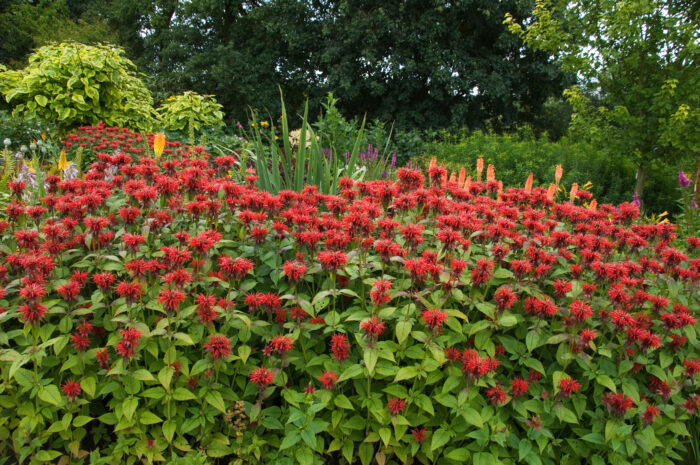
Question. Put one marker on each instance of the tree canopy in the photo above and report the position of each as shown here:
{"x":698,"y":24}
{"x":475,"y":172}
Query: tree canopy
{"x":427,"y":63}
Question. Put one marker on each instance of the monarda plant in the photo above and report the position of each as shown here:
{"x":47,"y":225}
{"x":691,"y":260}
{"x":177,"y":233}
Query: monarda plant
{"x":156,"y":309}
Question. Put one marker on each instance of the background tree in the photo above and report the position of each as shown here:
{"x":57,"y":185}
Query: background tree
{"x":626,"y":54}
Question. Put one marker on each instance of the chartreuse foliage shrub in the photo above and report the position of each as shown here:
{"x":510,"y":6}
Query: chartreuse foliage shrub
{"x":72,"y":84}
{"x":517,"y":155}
{"x":191,"y":112}
{"x":158,"y":310}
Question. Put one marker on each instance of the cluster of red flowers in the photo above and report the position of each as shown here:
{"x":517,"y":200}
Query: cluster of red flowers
{"x":541,"y":276}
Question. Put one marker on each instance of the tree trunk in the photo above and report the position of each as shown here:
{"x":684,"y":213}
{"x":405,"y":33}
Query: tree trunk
{"x":641,"y":178}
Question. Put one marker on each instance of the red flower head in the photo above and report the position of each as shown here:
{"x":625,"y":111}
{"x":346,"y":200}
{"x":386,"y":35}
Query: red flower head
{"x":434,"y":319}
{"x":396,"y":406}
{"x":617,"y":403}
{"x":71,"y":389}
{"x":218,"y":346}
{"x":650,"y":414}
{"x":331,"y":261}
{"x":129,"y":343}
{"x":482,"y":272}
{"x":419,"y":434}
{"x":328,"y":379}
{"x":262,"y":377}
{"x":373,"y":328}
{"x":171,"y":299}
{"x":692,"y":366}
{"x":379,"y":295}
{"x":104,"y":281}
{"x":519,"y":387}
{"x":32,"y":313}
{"x":568,"y":386}
{"x":131,"y":292}
{"x":294,"y":270}
{"x":340,"y":347}
{"x":505,"y":297}
{"x":497,"y":395}
{"x":103,"y":358}
{"x":279,"y":345}
{"x":235,"y":268}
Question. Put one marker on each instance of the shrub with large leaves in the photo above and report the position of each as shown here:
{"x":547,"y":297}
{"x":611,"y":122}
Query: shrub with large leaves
{"x":191,"y":111}
{"x":75,"y":84}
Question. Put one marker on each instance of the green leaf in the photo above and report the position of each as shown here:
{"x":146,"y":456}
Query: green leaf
{"x":564,"y":414}
{"x":143,"y":375}
{"x":50,"y":394}
{"x":472,"y":417}
{"x":41,"y":100}
{"x":214,"y":399}
{"x":183,"y":394}
{"x":406,"y":373}
{"x":88,"y":385}
{"x":129,"y":407}
{"x":403,"y":329}
{"x":352,"y":371}
{"x":366,"y":453}
{"x":485,"y":458}
{"x":371,"y":356}
{"x":507,"y":320}
{"x":304,"y":456}
{"x":290,"y":439}
{"x":165,"y":376}
{"x":440,"y":438}
{"x":47,"y":455}
{"x":148,"y":418}
{"x":184,"y":338}
{"x":343,"y":402}
{"x":385,"y":434}
{"x":81,"y":420}
{"x":458,"y":455}
{"x":244,"y":353}
{"x":605,"y":380}
{"x":169,"y":430}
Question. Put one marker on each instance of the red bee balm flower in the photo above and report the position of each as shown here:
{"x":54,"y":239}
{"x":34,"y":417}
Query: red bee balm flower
{"x":218,"y":346}
{"x":132,"y":292}
{"x":497,"y":395}
{"x":328,"y":379}
{"x":373,"y":328}
{"x":396,"y":406}
{"x":505,"y":298}
{"x":434,"y":319}
{"x":618,"y":403}
{"x":568,"y":386}
{"x":379,"y":294}
{"x":650,"y":414}
{"x":262,"y":377}
{"x":71,"y":389}
{"x":171,"y":299}
{"x":331,"y":261}
{"x":129,"y":342}
{"x":279,"y":345}
{"x":482,"y":272}
{"x":519,"y":387}
{"x":340,"y":347}
{"x":419,"y":434}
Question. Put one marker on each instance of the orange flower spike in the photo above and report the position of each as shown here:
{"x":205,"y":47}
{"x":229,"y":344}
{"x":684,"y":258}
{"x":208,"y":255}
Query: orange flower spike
{"x":158,"y":144}
{"x":593,"y":206}
{"x":453,"y":178}
{"x":557,"y":174}
{"x":462,"y":174}
{"x":500,"y":186}
{"x":468,"y":183}
{"x":528,"y":185}
{"x":550,"y":192}
{"x":443,"y":181}
{"x":574,"y":191}
{"x":479,"y":168}
{"x":490,"y":173}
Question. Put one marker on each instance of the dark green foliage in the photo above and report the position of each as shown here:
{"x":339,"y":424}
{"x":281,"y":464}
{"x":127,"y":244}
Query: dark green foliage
{"x":515,"y":156}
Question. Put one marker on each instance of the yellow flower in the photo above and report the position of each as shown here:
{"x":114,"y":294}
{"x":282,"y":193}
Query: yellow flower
{"x":264,"y":123}
{"x":62,"y":162}
{"x":43,"y":136}
{"x":171,"y":98}
{"x":158,"y":144}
